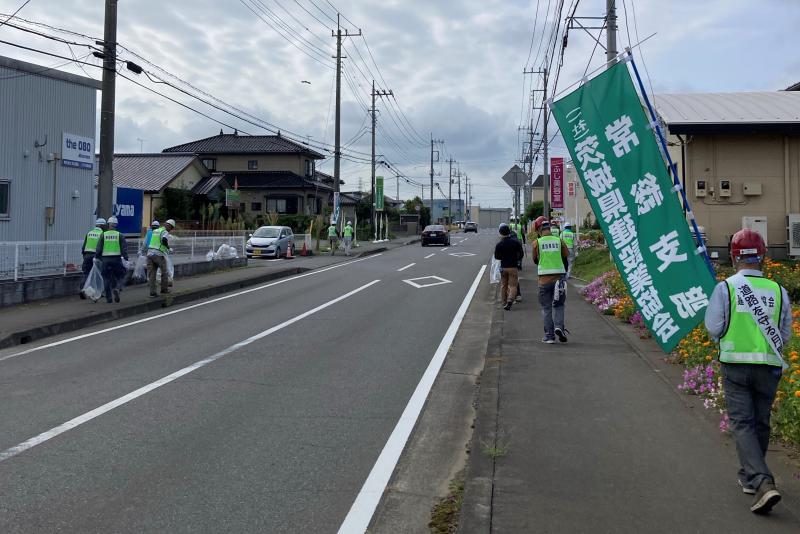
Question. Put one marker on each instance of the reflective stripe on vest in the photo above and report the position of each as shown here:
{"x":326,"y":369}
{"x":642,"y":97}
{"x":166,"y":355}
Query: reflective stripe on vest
{"x":332,"y":231}
{"x":744,"y":342}
{"x":550,"y":261}
{"x":92,"y":239}
{"x":155,"y":240}
{"x":111,"y":244}
{"x":569,"y":238}
{"x":348,"y":231}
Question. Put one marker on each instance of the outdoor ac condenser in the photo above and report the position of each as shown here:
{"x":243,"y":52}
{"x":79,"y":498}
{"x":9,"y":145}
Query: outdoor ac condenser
{"x":794,"y":234}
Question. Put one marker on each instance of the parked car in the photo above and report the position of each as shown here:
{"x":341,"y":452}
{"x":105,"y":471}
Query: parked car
{"x":270,"y":241}
{"x":435,"y":233}
{"x":470,"y":226}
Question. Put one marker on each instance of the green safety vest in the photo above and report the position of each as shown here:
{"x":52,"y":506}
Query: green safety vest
{"x":569,"y":238}
{"x":743,"y":341}
{"x":550,"y":261}
{"x":92,"y":239}
{"x":517,"y":228}
{"x":554,"y":231}
{"x":111,"y":244}
{"x":332,"y":231}
{"x":155,"y":240}
{"x":348,"y":231}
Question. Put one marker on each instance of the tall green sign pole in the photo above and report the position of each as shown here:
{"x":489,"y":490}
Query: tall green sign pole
{"x":628,"y":185}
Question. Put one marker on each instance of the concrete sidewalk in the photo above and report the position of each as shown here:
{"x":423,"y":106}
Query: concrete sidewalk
{"x":593,"y":436}
{"x":29,"y":322}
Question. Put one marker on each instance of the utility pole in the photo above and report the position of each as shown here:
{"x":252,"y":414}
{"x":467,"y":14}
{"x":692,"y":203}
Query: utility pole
{"x":460,"y":204}
{"x":374,"y":123}
{"x":545,"y":175}
{"x":611,"y":32}
{"x":450,"y":192}
{"x":437,"y":159}
{"x":105,"y":182}
{"x":337,"y":152}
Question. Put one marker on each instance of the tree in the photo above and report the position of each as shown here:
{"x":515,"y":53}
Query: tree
{"x":533,"y":210}
{"x":424,"y":212}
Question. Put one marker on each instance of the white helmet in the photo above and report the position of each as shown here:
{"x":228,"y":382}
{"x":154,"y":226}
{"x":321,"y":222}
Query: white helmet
{"x":171,"y":222}
{"x":112,"y":220}
{"x":100,"y":221}
{"x":349,"y":223}
{"x":155,"y":224}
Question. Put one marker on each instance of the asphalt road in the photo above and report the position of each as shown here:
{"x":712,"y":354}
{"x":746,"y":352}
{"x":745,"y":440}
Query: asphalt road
{"x":261,"y":412}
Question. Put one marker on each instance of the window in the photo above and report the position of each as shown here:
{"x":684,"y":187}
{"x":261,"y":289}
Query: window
{"x":252,"y":165}
{"x":255,"y":206}
{"x":309,"y":167}
{"x":277,"y":205}
{"x":210,"y":163}
{"x":5,"y":193}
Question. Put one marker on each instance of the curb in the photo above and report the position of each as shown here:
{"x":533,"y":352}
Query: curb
{"x":476,"y":508}
{"x":33,"y":334}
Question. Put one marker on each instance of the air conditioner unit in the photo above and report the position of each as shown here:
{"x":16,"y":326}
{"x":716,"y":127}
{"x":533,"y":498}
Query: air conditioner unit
{"x":794,"y":234}
{"x":757,"y":223}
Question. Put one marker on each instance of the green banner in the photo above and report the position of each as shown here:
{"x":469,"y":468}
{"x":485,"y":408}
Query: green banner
{"x":628,"y":185}
{"x":379,"y":193}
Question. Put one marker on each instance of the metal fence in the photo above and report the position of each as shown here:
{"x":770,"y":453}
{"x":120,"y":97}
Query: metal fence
{"x":34,"y":259}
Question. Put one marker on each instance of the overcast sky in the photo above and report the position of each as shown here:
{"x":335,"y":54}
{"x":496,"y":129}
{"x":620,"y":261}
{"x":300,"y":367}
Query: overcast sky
{"x":454,"y":66}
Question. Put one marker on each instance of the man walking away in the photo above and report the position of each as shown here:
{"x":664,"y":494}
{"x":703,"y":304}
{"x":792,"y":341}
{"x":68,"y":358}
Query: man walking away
{"x":568,"y":236}
{"x":751,"y":317}
{"x":551,"y":255}
{"x":112,"y":248}
{"x":509,"y":252}
{"x":89,"y":249}
{"x":148,"y":236}
{"x":348,"y":237}
{"x":333,"y":237}
{"x":157,"y":250}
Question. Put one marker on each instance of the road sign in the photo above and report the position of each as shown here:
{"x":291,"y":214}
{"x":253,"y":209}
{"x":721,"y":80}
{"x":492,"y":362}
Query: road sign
{"x":379,"y":193}
{"x":557,"y":183}
{"x":427,"y":281}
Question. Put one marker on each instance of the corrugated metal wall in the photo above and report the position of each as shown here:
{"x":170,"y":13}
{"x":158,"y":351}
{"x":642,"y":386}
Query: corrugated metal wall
{"x":34,"y":108}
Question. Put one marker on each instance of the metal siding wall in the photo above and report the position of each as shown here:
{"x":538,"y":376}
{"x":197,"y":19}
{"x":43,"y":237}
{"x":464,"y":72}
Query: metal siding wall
{"x":32,"y":107}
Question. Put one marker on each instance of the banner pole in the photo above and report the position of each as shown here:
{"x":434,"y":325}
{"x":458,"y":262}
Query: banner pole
{"x":673,"y":170}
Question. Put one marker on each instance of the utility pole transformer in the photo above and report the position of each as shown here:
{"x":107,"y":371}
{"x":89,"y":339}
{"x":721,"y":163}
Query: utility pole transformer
{"x":337,"y":152}
{"x":105,"y":182}
{"x":374,"y":123}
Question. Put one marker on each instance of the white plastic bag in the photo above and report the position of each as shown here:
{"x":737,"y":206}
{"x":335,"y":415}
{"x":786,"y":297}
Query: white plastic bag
{"x":226,"y":252}
{"x":170,"y":270}
{"x":494,"y":271}
{"x":210,"y":255}
{"x":140,"y":269}
{"x":93,"y":288}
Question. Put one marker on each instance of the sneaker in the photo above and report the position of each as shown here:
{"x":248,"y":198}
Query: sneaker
{"x":82,"y":295}
{"x":746,"y":489}
{"x":548,"y":340}
{"x":562,"y":337}
{"x":767,"y":496}
{"x":507,"y":306}
{"x":518,"y":299}
{"x":116,"y":295}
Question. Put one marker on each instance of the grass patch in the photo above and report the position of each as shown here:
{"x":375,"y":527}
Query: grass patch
{"x":591,"y":263}
{"x":495,"y":452}
{"x":445,"y":515}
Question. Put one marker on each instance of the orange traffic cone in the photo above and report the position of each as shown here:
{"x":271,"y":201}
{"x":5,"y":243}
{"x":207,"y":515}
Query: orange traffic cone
{"x":304,"y":252}
{"x":289,"y":255}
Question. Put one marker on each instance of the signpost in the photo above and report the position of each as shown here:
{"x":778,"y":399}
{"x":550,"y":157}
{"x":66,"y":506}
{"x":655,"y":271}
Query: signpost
{"x":557,"y":183}
{"x":628,"y":185}
{"x":379,"y":193}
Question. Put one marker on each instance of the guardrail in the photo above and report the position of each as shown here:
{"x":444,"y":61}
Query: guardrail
{"x":35,"y":259}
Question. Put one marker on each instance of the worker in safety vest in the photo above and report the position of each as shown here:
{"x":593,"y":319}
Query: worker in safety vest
{"x":552,"y":257}
{"x":568,"y":236}
{"x":751,"y":317}
{"x":147,"y":237}
{"x":333,"y":237}
{"x":157,"y":251}
{"x":89,"y":248}
{"x":112,"y":249}
{"x":554,"y":229}
{"x":348,"y":233}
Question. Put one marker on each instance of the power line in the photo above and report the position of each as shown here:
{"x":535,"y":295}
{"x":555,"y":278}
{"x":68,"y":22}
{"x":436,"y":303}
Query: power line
{"x":14,"y":14}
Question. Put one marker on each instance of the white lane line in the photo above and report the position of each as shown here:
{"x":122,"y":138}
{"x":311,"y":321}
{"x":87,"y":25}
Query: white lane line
{"x":180,"y":310}
{"x":363,"y":508}
{"x":430,"y":256}
{"x":401,"y":269}
{"x":445,"y":248}
{"x":97,"y":412}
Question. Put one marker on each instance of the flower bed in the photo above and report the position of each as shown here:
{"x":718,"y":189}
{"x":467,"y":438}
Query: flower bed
{"x":699,"y":355}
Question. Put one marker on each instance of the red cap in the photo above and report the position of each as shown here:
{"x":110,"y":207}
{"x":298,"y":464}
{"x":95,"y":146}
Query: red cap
{"x":747,"y":242}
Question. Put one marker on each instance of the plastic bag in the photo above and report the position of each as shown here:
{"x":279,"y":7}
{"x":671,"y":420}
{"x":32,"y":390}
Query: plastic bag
{"x":140,"y":269}
{"x":226,"y":252}
{"x":560,"y":291}
{"x":494,"y":271}
{"x":210,"y":255}
{"x":93,"y":288}
{"x":170,"y":270}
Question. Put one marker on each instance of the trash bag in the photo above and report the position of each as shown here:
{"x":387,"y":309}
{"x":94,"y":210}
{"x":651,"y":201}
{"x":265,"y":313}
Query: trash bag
{"x":210,"y":255}
{"x":129,"y":265}
{"x":494,"y":271}
{"x":170,"y":270}
{"x":93,"y":288}
{"x":140,"y":269}
{"x":560,"y":291}
{"x":225,"y":252}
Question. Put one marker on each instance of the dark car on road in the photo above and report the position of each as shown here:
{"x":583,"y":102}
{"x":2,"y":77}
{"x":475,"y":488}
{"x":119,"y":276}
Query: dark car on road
{"x":470,"y":226}
{"x":435,"y":234}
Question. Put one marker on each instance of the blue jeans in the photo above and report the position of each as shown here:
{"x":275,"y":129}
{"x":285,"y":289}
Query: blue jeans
{"x":552,"y":312}
{"x":749,"y":392}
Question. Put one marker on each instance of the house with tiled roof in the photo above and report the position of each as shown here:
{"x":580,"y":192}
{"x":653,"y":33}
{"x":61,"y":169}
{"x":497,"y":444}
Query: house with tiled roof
{"x":272,"y":173}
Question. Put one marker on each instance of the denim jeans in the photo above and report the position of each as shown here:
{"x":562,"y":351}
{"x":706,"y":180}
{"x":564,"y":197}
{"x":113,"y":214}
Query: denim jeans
{"x":552,"y":312}
{"x":749,"y":392}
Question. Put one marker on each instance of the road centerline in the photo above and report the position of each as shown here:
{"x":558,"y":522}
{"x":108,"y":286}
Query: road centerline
{"x":401,"y":269}
{"x":430,"y":256}
{"x":97,"y":412}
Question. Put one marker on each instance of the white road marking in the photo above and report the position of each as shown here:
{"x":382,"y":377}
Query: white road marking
{"x":439,"y":281}
{"x":445,"y":248}
{"x":97,"y":412}
{"x":363,"y":508}
{"x":401,"y":269}
{"x":180,"y":310}
{"x":430,"y":256}
{"x":461,"y":254}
